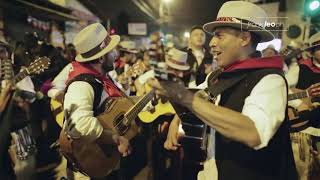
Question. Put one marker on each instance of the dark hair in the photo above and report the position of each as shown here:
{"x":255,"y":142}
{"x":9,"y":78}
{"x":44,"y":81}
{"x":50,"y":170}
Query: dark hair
{"x":30,"y":40}
{"x":255,"y":39}
{"x":195,"y":28}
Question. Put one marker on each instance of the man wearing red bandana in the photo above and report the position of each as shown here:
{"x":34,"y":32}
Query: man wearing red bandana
{"x":87,"y":86}
{"x":249,"y":138}
{"x":306,"y":129}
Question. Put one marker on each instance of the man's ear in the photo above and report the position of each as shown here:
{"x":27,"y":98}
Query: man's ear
{"x":101,"y":59}
{"x":245,"y":38}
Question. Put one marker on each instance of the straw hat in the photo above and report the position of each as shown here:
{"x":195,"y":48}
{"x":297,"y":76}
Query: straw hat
{"x":177,"y":59}
{"x":128,"y":46}
{"x":241,"y":15}
{"x":93,"y":42}
{"x":313,"y":42}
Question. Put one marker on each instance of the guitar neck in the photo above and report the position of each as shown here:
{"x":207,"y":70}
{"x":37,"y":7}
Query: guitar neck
{"x":298,"y":95}
{"x":21,"y":75}
{"x":134,"y":111}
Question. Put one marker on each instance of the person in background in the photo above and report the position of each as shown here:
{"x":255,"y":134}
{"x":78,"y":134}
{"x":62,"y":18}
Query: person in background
{"x":269,"y":51}
{"x":22,"y":150}
{"x":70,"y":52}
{"x":6,"y":172}
{"x":306,"y":131}
{"x":128,"y":52}
{"x":199,"y":57}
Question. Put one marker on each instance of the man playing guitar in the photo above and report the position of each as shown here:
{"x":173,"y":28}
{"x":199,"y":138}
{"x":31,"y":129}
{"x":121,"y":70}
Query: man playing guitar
{"x":251,"y":140}
{"x":305,"y":129}
{"x":96,"y":56}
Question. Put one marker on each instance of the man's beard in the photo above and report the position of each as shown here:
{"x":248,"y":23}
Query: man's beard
{"x":107,"y":65}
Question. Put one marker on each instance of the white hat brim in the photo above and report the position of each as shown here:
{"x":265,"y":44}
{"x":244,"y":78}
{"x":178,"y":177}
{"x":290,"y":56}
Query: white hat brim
{"x":178,"y":67}
{"x":264,"y":34}
{"x":115,"y":39}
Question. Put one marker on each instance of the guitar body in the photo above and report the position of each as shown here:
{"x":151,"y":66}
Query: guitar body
{"x":160,"y":109}
{"x":194,"y":142}
{"x":97,"y":160}
{"x":112,"y":117}
{"x":57,"y":111}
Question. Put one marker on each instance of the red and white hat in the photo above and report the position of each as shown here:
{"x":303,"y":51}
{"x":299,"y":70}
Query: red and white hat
{"x":241,"y":15}
{"x":177,"y":59}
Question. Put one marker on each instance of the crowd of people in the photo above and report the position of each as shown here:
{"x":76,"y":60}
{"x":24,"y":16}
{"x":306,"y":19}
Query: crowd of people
{"x":255,"y":114}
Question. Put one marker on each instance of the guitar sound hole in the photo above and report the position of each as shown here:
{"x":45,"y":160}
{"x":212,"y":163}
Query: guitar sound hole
{"x":119,"y":125}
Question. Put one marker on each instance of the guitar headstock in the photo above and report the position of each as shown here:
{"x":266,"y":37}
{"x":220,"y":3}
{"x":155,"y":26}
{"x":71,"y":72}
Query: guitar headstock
{"x":6,"y":70}
{"x":136,"y":69}
{"x":314,"y":90}
{"x":39,"y":65}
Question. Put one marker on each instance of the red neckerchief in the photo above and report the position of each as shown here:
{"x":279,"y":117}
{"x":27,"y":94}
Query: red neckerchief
{"x":275,"y":62}
{"x":80,"y":68}
{"x":119,"y":63}
{"x":310,"y":65}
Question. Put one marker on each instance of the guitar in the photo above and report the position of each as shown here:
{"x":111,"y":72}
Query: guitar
{"x":162,"y":107}
{"x":36,"y":67}
{"x":96,"y":160}
{"x":56,"y":105}
{"x":313,"y":91}
{"x":6,"y":73}
{"x":136,"y":69}
{"x":294,"y":114}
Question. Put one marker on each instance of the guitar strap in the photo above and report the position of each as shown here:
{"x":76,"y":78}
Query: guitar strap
{"x":94,"y":82}
{"x":216,"y":87}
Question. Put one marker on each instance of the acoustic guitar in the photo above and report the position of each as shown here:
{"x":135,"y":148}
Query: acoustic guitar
{"x":162,"y":107}
{"x":36,"y":67}
{"x":6,"y":73}
{"x":294,"y":114}
{"x":96,"y":160}
{"x":56,"y":105}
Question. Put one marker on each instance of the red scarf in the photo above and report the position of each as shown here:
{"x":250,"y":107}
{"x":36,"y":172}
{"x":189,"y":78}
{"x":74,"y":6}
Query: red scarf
{"x":310,"y":65}
{"x":256,"y":63}
{"x":119,"y":63}
{"x":80,"y":68}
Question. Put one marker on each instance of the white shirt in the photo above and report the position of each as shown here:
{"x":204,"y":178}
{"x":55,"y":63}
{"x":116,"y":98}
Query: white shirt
{"x":59,"y":82}
{"x":265,"y":106}
{"x":81,"y":94}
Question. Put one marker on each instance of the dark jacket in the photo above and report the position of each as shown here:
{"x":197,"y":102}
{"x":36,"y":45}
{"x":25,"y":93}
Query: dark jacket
{"x":197,"y":70}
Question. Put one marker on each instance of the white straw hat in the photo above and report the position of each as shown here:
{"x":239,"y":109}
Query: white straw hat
{"x":93,"y":42}
{"x":128,"y":46}
{"x":241,"y":15}
{"x":177,"y":59}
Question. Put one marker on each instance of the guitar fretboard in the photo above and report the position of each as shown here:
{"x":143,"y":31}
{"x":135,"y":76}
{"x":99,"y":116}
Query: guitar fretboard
{"x":133,"y":113}
{"x":298,"y":95}
{"x":21,"y":75}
